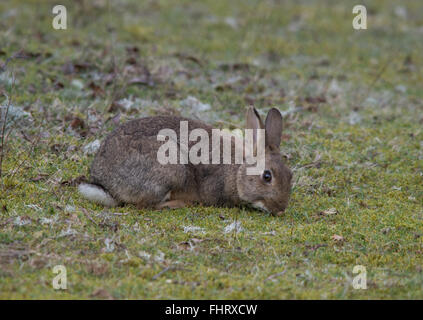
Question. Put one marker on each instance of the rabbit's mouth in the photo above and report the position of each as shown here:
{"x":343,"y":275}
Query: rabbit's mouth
{"x":260,"y":205}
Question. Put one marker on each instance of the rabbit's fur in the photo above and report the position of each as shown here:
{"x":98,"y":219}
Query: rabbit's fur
{"x":125,"y":170}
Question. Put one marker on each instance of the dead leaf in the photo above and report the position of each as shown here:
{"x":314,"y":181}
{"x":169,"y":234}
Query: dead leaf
{"x":189,"y":245}
{"x":97,"y":269}
{"x":132,"y":50}
{"x":185,"y":245}
{"x":70,"y":67}
{"x":41,"y":176}
{"x":38,"y":263}
{"x":235,"y":66}
{"x":144,"y":80}
{"x":189,"y":58}
{"x":337,"y":237}
{"x":286,"y":137}
{"x":363,"y":204}
{"x":315,"y":100}
{"x":58,"y":85}
{"x":312,"y":108}
{"x":195,"y":240}
{"x":97,"y":91}
{"x":386,"y":230}
{"x":78,"y":125}
{"x":139,"y":75}
{"x":115,"y":106}
{"x":131,"y":60}
{"x":29,"y":55}
{"x":328,"y":212}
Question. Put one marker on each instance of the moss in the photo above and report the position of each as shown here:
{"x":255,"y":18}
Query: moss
{"x":367,"y":164}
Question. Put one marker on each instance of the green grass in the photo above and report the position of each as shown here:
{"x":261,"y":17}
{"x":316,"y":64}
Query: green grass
{"x":358,"y":149}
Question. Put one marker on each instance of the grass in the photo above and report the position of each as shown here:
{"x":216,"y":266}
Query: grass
{"x":353,"y":105}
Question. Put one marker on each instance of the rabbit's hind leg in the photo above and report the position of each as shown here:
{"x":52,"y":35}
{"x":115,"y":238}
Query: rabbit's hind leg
{"x":166,"y":202}
{"x":149,"y":199}
{"x":172,"y":204}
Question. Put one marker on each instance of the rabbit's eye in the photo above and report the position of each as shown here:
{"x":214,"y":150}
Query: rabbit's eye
{"x":267,"y":176}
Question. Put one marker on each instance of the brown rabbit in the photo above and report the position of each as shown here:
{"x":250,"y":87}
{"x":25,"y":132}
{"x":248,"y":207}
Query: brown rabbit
{"x":126,"y":170}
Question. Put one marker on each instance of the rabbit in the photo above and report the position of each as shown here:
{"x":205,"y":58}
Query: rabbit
{"x":125,"y":170}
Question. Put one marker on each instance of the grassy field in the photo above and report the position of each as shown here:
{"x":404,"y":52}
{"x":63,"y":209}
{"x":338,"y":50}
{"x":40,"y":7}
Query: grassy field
{"x":353,"y":114}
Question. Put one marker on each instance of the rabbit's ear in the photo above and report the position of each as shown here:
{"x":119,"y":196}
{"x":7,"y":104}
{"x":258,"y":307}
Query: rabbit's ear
{"x":253,"y":121}
{"x":273,"y":129}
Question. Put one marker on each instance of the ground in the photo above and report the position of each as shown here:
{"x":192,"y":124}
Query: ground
{"x":352,"y":102}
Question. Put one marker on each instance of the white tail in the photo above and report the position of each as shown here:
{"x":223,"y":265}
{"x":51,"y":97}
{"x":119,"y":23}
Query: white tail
{"x":96,"y":194}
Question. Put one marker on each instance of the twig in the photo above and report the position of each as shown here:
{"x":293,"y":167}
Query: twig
{"x":3,"y":126}
{"x":170,"y":268}
{"x":275,"y":275}
{"x":16,"y":55}
{"x":33,"y":144}
{"x":87,"y":215}
{"x":163,"y":271}
{"x":377,"y":77}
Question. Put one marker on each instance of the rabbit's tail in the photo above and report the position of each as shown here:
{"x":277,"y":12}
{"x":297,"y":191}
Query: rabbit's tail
{"x":96,"y":194}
